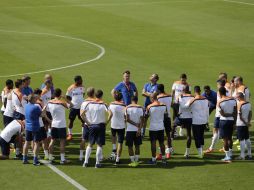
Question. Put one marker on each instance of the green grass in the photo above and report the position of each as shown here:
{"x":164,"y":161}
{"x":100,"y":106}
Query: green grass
{"x":199,"y":37}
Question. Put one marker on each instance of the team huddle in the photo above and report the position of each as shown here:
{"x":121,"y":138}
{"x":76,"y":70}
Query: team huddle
{"x":35,"y":117}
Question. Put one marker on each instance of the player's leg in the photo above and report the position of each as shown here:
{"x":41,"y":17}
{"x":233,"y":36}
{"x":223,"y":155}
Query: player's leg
{"x":72,"y":116}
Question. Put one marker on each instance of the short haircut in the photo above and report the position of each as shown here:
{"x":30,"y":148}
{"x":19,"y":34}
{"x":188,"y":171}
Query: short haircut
{"x":222,"y":91}
{"x":197,"y":89}
{"x":118,"y":96}
{"x":18,"y":83}
{"x":160,"y":88}
{"x":9,"y":82}
{"x":77,"y":78}
{"x":154,"y":96}
{"x":186,"y":89}
{"x":207,"y":87}
{"x":240,"y":79}
{"x":37,"y":91}
{"x":127,"y":72}
{"x":32,"y":98}
{"x":233,"y":79}
{"x":224,"y":75}
{"x":90,"y":91}
{"x":57,"y":92}
{"x":134,"y":99}
{"x":221,"y":82}
{"x":183,"y":76}
{"x":99,"y":93}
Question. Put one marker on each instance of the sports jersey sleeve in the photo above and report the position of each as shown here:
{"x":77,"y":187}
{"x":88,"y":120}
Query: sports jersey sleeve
{"x":174,"y":86}
{"x":69,"y":92}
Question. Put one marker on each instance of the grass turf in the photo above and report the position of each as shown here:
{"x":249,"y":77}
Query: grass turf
{"x":199,"y":37}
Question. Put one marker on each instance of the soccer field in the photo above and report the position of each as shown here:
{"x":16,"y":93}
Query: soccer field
{"x":99,"y":39}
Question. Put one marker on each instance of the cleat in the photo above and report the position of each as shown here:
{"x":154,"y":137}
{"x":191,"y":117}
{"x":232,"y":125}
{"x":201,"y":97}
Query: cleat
{"x":152,"y":162}
{"x":249,"y":157}
{"x":36,"y":163}
{"x":85,"y":165}
{"x":69,"y":137}
{"x":159,"y":157}
{"x":239,"y":158}
{"x":237,"y":142}
{"x":25,"y":162}
{"x":186,"y":156}
{"x":98,"y":166}
{"x":117,"y":163}
{"x":64,"y":162}
{"x":200,"y":156}
{"x":226,"y":160}
{"x":135,"y":164}
{"x":168,"y":155}
{"x":18,"y":157}
{"x":208,"y":151}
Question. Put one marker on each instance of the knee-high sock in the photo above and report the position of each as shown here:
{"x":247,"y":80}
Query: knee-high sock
{"x":242,"y":147}
{"x":215,"y":139}
{"x":248,"y":144}
{"x":98,"y":154}
{"x":88,"y":153}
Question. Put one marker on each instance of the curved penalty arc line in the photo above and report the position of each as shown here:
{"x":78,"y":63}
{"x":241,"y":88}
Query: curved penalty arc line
{"x":101,"y":54}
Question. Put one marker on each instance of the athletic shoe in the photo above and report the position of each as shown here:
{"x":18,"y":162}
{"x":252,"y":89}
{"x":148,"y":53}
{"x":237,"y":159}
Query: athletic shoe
{"x":25,"y":162}
{"x":152,"y":162}
{"x":98,"y":166}
{"x":159,"y":157}
{"x":135,"y":164}
{"x":117,"y":163}
{"x":36,"y":163}
{"x":239,"y":158}
{"x":69,"y":137}
{"x":64,"y":162}
{"x":200,"y":156}
{"x":186,"y":156}
{"x":208,"y":151}
{"x":18,"y":157}
{"x":85,"y":165}
{"x":112,"y":156}
{"x":168,"y":155}
{"x":248,"y":157}
{"x":226,"y":159}
{"x":237,"y":142}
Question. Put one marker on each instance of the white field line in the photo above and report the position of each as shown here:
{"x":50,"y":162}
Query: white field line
{"x":102,"y":52}
{"x":239,"y":2}
{"x":109,"y":4}
{"x":63,"y":175}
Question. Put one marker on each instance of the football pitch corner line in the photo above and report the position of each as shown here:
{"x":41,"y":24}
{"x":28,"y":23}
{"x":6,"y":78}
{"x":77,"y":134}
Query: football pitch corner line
{"x":99,"y":56}
{"x":63,"y":175}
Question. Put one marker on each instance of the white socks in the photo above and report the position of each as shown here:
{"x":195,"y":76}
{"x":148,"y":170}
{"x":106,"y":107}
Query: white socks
{"x":81,"y":154}
{"x":50,"y":157}
{"x":62,"y":155}
{"x":200,"y":151}
{"x":242,"y":147}
{"x":70,"y":131}
{"x":187,"y":152}
{"x":46,"y":153}
{"x":88,"y":153}
{"x":248,"y":144}
{"x":215,"y":139}
{"x":113,"y":146}
{"x":136,"y":158}
{"x":98,"y":155}
{"x":132,"y":158}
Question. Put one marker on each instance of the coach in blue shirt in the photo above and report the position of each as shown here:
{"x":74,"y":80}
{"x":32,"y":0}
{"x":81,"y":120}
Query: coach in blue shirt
{"x":127,"y":88}
{"x":150,"y":88}
{"x":212,"y":98}
{"x":32,"y":115}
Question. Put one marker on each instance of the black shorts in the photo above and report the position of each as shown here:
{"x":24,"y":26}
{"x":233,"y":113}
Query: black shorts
{"x":33,"y":136}
{"x":18,"y":116}
{"x":226,"y":128}
{"x":74,"y":113}
{"x":120,"y":134}
{"x":216,"y":122}
{"x":58,"y":133}
{"x":97,"y":134}
{"x":186,"y":122}
{"x":167,"y":124}
{"x":43,"y":133}
{"x":157,"y":135}
{"x":7,"y":120}
{"x":131,"y":138}
{"x":85,"y":132}
{"x":243,"y":132}
{"x":5,"y":147}
{"x":175,"y":107}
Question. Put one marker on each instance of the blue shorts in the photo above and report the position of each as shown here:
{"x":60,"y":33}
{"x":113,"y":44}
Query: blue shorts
{"x":5,"y":147}
{"x":226,"y":128}
{"x":131,"y":138}
{"x":120,"y":134}
{"x":18,"y":116}
{"x":74,"y":113}
{"x":58,"y":133}
{"x":216,"y":122}
{"x":85,"y":132}
{"x":167,"y":124}
{"x":97,"y":134}
{"x":243,"y":133}
{"x":43,"y":133}
{"x":157,"y":135}
{"x":7,"y":120}
{"x":33,"y":136}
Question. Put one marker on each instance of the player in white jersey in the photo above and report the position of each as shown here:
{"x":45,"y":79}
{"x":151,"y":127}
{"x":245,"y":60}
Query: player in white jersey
{"x":200,"y":114}
{"x":243,"y":122}
{"x":240,"y":87}
{"x":95,"y":118}
{"x":57,"y":108}
{"x":7,"y":108}
{"x":215,"y":138}
{"x":157,"y":111}
{"x":18,"y":101}
{"x":184,"y":118}
{"x":228,"y":114}
{"x":75,"y":94}
{"x":117,"y":109}
{"x":85,"y":130}
{"x":134,"y":114}
{"x":224,"y":76}
{"x":8,"y":135}
{"x":167,"y":100}
{"x":177,"y":90}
